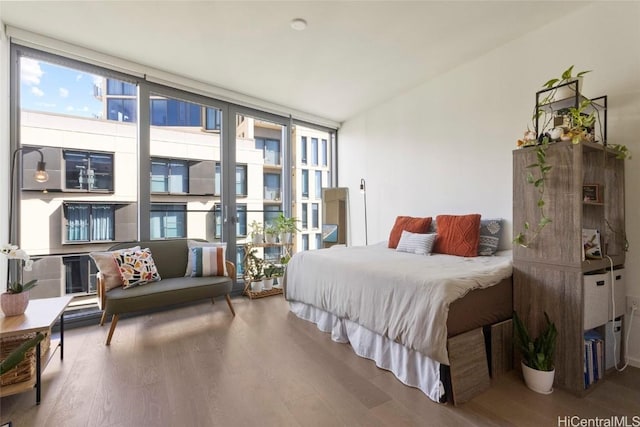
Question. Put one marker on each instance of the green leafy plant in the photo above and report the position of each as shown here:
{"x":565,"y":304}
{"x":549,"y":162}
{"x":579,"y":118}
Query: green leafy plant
{"x":541,"y":169}
{"x":256,"y":228}
{"x":537,"y":353}
{"x":270,"y":271}
{"x":565,"y":77}
{"x":255,"y":266}
{"x":286,"y":225}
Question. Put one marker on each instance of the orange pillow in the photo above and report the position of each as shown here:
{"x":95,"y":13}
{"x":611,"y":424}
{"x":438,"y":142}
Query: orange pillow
{"x":458,"y":235}
{"x":408,"y":223}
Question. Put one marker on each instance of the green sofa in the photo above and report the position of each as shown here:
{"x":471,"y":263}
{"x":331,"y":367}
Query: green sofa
{"x":170,"y":257}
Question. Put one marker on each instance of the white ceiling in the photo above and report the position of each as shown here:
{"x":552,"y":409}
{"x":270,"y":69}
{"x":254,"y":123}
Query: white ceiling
{"x":353,"y":55}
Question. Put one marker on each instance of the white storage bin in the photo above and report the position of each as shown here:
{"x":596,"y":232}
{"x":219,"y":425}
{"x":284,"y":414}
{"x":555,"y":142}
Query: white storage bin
{"x":619,"y":293}
{"x":597,"y":299}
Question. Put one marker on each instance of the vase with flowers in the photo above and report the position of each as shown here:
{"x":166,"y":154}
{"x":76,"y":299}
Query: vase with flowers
{"x":16,"y":299}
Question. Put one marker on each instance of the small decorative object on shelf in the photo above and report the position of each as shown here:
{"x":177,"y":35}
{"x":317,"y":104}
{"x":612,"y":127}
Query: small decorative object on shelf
{"x":257,"y":232}
{"x":14,"y":302}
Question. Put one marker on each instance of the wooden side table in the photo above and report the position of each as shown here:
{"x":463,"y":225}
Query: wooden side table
{"x":40,"y":316}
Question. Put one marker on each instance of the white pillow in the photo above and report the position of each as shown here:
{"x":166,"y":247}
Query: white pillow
{"x":416,"y":243}
{"x":195,"y":244}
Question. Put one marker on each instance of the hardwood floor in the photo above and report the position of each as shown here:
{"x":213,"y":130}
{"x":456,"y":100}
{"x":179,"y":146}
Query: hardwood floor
{"x":198,"y":366}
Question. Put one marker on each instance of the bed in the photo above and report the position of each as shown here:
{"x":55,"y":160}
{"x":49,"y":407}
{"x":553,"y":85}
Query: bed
{"x":400,"y":309}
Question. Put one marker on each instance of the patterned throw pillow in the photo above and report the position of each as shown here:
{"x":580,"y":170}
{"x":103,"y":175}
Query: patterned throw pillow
{"x":415,"y":243}
{"x":458,"y":235}
{"x":195,"y":244}
{"x":136,"y":267}
{"x":490,"y":234}
{"x":108,"y":267}
{"x":208,"y":261}
{"x":414,"y":225}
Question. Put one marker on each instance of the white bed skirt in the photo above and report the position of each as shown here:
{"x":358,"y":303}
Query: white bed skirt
{"x":409,"y":366}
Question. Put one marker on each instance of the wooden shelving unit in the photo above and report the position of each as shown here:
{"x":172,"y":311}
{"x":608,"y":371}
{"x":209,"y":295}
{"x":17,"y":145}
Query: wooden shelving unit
{"x":285,"y":250}
{"x":549,"y":275}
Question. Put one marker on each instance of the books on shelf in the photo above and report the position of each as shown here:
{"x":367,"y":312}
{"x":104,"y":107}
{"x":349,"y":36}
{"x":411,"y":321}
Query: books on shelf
{"x":593,"y":357}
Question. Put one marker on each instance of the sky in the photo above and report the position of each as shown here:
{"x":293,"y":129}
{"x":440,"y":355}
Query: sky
{"x":54,"y":89}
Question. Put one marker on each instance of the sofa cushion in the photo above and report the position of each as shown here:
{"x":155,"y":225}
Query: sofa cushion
{"x":108,"y":267}
{"x":199,"y":244}
{"x":208,"y":261}
{"x":166,"y":292}
{"x":136,"y":267}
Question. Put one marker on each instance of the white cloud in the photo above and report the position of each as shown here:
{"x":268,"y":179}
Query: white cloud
{"x":97,"y":80}
{"x":85,"y":108}
{"x":69,"y":108}
{"x":37,"y":91}
{"x":45,"y":105}
{"x":63,"y":92}
{"x":30,"y":71}
{"x":79,"y":77}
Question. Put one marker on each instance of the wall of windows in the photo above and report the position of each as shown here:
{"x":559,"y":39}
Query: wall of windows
{"x":97,"y":152}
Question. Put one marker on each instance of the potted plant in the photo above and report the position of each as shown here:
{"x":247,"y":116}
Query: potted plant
{"x":16,"y":299}
{"x":257,"y":231}
{"x":270,"y":234}
{"x":255,"y":271}
{"x":537,"y":354}
{"x":269,"y":276}
{"x":286,"y":227}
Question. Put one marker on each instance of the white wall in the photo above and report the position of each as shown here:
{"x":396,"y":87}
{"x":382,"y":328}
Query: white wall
{"x":445,"y":146}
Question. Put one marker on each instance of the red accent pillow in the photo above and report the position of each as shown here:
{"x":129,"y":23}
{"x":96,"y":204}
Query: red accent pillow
{"x":458,"y":235}
{"x":409,"y":223}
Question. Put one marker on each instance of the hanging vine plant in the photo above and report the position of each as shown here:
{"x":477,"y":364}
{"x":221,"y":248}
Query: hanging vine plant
{"x":536,"y":175}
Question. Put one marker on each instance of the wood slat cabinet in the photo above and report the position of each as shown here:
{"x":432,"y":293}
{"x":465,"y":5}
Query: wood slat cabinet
{"x":549,"y":275}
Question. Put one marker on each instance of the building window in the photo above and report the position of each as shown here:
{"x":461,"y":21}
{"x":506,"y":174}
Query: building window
{"x":213,"y":119}
{"x":272,"y":186}
{"x":122,"y":110}
{"x":89,"y":222}
{"x":117,"y":87}
{"x":80,"y":274}
{"x":88,"y":171}
{"x":241,"y":225}
{"x":324,"y":152}
{"x":318,"y":184}
{"x":303,"y":150}
{"x":314,"y":151}
{"x":305,"y":183}
{"x":173,"y":112}
{"x":168,"y":221}
{"x":239,"y":259}
{"x":169,"y":176}
{"x":271,"y":212}
{"x":318,"y":241}
{"x":305,"y":216}
{"x":271,"y":149}
{"x":305,"y":242}
{"x":241,"y":180}
{"x":314,"y":215}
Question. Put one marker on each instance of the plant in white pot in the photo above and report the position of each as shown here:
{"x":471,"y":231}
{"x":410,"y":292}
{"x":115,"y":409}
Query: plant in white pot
{"x":269,"y":276}
{"x":270,"y":234}
{"x":16,"y":299}
{"x":257,"y":232}
{"x":286,"y":227}
{"x":537,"y":354}
{"x":255,"y":271}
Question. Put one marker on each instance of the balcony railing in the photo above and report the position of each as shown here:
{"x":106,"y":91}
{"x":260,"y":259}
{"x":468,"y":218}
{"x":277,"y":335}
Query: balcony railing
{"x":271,"y":194}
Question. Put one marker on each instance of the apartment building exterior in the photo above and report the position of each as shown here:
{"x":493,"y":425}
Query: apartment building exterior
{"x":90,"y":200}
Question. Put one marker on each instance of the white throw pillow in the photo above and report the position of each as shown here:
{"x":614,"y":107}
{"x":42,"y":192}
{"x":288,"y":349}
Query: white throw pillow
{"x":416,"y":243}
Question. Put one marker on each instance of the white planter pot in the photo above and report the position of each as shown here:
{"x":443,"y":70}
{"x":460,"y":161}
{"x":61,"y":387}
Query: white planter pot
{"x":568,"y":91}
{"x":285,"y":237}
{"x":256,"y":286}
{"x":271,"y":238}
{"x":267,"y":284}
{"x":257,"y":238}
{"x":538,"y":381}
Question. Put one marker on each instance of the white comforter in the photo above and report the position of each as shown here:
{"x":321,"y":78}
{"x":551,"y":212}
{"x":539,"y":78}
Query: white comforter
{"x":404,"y":297}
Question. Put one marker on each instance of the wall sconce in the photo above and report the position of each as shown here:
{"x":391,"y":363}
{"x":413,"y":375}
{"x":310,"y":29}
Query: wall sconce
{"x":40,"y":175}
{"x":363,"y":191}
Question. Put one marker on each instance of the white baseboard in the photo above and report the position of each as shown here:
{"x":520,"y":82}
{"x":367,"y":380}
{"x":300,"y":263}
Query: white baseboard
{"x":633,"y":361}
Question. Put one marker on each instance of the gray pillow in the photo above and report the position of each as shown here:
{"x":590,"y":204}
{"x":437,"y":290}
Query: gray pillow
{"x":416,"y":243}
{"x":490,"y":234}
